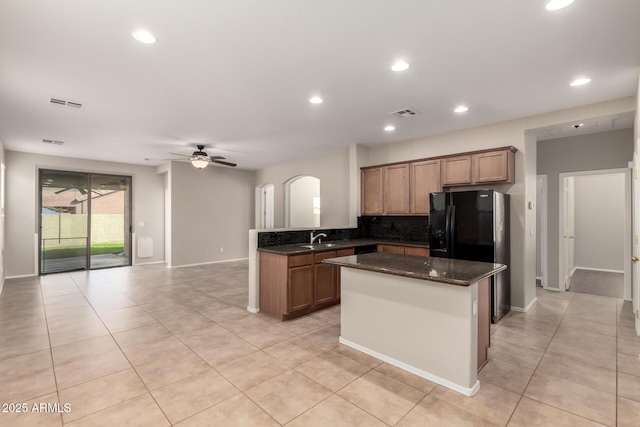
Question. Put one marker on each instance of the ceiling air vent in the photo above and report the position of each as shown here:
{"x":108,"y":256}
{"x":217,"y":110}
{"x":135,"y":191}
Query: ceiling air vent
{"x":407,"y":112}
{"x":52,"y":141}
{"x":66,"y":103}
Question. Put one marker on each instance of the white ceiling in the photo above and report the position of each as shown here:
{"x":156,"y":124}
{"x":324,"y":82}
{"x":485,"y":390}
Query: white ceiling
{"x":237,"y":75}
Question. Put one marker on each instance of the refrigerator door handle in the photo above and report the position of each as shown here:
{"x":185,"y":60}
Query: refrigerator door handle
{"x":452,"y":231}
{"x":447,"y":231}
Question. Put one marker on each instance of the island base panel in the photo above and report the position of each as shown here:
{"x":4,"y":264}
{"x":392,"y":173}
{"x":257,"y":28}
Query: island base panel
{"x":425,"y":327}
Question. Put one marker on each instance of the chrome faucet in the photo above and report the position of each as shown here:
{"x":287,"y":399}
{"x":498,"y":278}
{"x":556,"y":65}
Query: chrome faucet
{"x":317,"y":236}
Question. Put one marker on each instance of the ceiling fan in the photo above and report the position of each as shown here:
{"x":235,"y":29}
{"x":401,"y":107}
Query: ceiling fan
{"x":201,"y":159}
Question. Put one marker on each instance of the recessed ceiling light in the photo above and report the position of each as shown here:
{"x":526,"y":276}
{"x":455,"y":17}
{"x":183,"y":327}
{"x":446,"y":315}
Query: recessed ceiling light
{"x":461,"y":109}
{"x":399,"y":66}
{"x":557,"y":4}
{"x":581,"y":81}
{"x":144,"y":36}
{"x":389,"y":128}
{"x":316,"y":100}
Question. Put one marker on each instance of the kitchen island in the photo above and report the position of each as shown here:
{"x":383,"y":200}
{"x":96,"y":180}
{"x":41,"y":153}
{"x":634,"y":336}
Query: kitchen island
{"x":429,"y":316}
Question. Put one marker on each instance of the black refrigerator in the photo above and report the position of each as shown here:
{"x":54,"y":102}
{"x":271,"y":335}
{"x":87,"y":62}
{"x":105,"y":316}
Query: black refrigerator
{"x":474,"y":226}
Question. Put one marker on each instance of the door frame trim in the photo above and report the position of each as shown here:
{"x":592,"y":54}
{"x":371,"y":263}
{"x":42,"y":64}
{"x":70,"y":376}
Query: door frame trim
{"x":542,"y":213}
{"x":38,"y":233}
{"x":627,"y":222}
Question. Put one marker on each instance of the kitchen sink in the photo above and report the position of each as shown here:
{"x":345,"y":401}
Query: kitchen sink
{"x":319,"y":246}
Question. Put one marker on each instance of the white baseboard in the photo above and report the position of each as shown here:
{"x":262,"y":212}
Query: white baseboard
{"x":470,"y":392}
{"x":208,"y":263}
{"x":573,"y":271}
{"x":527,"y":308}
{"x":253,"y":309}
{"x":150,"y":263}
{"x":20,"y":276}
{"x":606,"y":270}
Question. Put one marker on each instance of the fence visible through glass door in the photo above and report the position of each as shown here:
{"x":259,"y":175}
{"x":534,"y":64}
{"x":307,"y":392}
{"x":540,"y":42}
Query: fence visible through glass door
{"x":85,"y":221}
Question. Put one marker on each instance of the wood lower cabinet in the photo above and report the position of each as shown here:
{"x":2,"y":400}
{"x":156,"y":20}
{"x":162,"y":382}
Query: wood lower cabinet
{"x":295,"y":285}
{"x":326,"y":279}
{"x":299,"y":288}
{"x":403,"y":250}
{"x":411,"y":250}
{"x":484,"y":321}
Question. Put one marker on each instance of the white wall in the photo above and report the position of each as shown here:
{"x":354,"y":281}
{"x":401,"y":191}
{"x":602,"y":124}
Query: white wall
{"x":599,"y":151}
{"x":302,"y":191}
{"x":599,"y":221}
{"x":333,"y":172}
{"x":22,"y":202}
{"x":211,"y":208}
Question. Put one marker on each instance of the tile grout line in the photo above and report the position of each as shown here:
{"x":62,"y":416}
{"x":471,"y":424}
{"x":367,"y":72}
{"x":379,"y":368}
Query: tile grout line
{"x":547,"y":404}
{"x":130,"y":364}
{"x":55,"y":378}
{"x":538,"y":364}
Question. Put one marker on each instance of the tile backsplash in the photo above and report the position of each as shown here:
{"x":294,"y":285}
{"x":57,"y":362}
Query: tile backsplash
{"x":403,"y":228}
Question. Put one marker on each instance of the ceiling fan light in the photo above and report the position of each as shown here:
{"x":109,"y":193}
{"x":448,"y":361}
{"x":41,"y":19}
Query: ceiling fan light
{"x":199,"y":162}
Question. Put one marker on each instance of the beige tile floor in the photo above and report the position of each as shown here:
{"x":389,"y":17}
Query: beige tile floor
{"x":150,"y":346}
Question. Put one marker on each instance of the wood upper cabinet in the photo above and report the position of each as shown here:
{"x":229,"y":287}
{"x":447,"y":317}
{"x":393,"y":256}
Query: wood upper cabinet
{"x":494,"y":166}
{"x":396,"y":189}
{"x":425,"y":179}
{"x":404,"y":188}
{"x":456,"y":170}
{"x":372,"y":181}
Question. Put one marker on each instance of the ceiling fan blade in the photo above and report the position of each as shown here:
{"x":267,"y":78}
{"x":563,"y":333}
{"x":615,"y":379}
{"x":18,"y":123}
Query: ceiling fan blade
{"x":61,"y":191}
{"x":174,"y":160}
{"x":233,"y":165}
{"x":217,"y":157}
{"x":178,"y":154}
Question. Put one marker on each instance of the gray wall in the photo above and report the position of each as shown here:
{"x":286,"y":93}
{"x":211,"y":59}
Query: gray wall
{"x":599,"y":221}
{"x":605,"y":150}
{"x":333,"y":172}
{"x":210,"y":208}
{"x":22,"y":200}
{"x":3,"y":187}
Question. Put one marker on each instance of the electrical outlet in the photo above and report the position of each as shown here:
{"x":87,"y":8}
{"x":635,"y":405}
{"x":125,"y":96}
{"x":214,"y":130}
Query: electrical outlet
{"x":221,"y":249}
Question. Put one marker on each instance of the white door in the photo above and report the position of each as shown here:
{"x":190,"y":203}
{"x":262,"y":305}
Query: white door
{"x":568,"y":231}
{"x":635,"y":272}
{"x":264,"y":206}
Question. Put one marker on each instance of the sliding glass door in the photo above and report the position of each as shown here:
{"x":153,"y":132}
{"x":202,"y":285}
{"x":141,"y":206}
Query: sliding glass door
{"x":85,"y":221}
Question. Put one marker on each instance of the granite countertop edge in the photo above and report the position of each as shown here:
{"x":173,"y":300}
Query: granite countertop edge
{"x":421,"y":274}
{"x":298,"y":248}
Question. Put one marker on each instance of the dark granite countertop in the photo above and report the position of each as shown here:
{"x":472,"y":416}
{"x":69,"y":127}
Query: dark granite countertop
{"x":452,"y":271}
{"x":301,"y":248}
